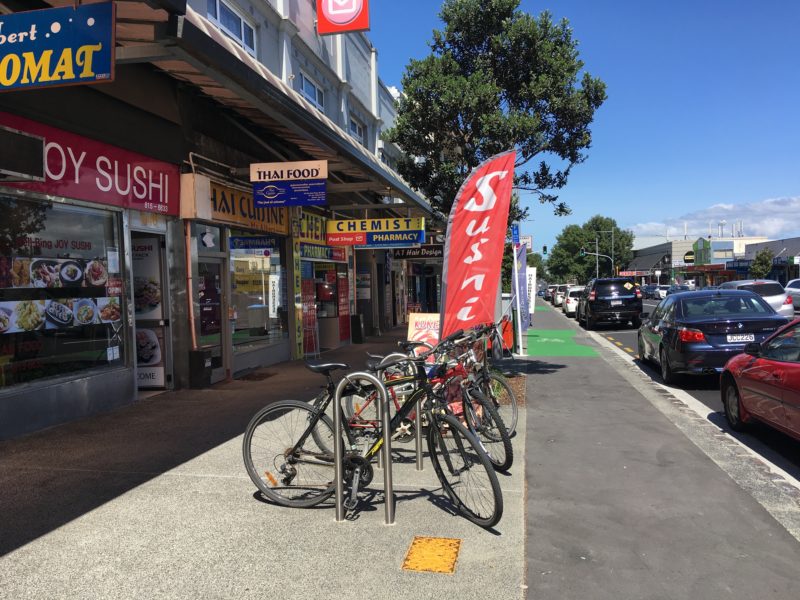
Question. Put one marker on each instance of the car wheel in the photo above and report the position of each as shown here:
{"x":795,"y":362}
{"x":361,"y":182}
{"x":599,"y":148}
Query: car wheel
{"x":642,"y":351}
{"x":667,"y":375}
{"x":733,"y":407}
{"x":636,"y":322}
{"x":590,"y":323}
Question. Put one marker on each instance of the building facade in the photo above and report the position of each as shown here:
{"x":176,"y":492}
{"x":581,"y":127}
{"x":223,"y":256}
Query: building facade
{"x":141,"y":261}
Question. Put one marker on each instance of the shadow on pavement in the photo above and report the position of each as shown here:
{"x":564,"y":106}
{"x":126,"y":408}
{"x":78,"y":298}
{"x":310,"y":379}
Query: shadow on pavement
{"x":52,"y":477}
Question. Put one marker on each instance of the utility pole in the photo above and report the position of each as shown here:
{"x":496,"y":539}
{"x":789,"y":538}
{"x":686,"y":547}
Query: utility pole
{"x":596,"y":258}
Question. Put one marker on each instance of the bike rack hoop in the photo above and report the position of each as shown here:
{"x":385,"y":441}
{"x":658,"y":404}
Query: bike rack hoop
{"x":338,"y":450}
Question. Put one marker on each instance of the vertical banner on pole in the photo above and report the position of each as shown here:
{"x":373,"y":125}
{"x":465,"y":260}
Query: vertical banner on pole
{"x":475,"y":241}
{"x":522,"y":288}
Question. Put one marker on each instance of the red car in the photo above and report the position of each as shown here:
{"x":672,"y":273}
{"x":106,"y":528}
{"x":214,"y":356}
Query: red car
{"x":764,"y":383}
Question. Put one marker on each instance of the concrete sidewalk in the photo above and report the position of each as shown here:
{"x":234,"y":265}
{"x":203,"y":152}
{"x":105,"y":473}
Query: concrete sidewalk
{"x":152,"y":501}
{"x":621,"y":503}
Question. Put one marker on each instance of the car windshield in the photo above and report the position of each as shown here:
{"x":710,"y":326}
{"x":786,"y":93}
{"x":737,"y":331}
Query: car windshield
{"x":680,"y":288}
{"x":724,"y":307}
{"x":764,"y":289}
{"x":663,"y":287}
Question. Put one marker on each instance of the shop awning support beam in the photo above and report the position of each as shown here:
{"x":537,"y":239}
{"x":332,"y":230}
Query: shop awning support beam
{"x":142,"y":53}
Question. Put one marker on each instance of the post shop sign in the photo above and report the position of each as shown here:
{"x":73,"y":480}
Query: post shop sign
{"x":290,"y":184}
{"x":57,"y":46}
{"x":84,"y":169}
{"x":387,"y":233}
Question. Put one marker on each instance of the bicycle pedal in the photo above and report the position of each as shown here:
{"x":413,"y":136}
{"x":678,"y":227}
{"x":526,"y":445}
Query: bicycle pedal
{"x":351,"y":503}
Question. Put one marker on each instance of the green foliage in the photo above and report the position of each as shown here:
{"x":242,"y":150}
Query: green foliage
{"x":762,"y":264}
{"x":534,"y":259}
{"x":497,"y":78}
{"x":567,"y":264}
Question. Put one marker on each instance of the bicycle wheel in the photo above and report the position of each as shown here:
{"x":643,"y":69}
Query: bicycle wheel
{"x":289,"y":461}
{"x":464,"y":470}
{"x":485,"y":423}
{"x":503,"y":398}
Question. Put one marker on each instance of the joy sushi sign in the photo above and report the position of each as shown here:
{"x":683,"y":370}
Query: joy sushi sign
{"x":57,"y":46}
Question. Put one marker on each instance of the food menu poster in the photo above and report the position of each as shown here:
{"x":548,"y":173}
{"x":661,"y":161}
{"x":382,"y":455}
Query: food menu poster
{"x":35,"y":315}
{"x":147,"y":296}
{"x":25,"y":272}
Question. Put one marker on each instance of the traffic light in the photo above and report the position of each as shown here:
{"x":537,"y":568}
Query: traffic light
{"x":583,"y":251}
{"x":544,"y":250}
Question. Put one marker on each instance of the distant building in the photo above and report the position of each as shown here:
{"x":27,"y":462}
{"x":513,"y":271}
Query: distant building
{"x":784,"y":263}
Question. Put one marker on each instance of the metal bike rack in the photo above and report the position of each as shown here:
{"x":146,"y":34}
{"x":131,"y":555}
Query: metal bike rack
{"x":338,"y":450}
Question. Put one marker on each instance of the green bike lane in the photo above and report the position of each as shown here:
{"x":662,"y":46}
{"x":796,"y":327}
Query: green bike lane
{"x":620,"y":501}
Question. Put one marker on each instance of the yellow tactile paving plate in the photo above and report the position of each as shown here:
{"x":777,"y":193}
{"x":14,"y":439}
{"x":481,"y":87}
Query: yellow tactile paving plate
{"x":432,"y":555}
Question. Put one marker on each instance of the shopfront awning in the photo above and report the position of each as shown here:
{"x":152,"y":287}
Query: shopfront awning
{"x":646,"y":263}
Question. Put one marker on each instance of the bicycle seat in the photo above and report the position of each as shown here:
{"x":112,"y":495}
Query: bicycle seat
{"x":325,"y":368}
{"x":409,"y":345}
{"x":378,"y":356}
{"x":374,"y":363}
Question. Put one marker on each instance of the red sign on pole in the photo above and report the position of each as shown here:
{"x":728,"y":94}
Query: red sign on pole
{"x":473,"y":252}
{"x":342,"y":16}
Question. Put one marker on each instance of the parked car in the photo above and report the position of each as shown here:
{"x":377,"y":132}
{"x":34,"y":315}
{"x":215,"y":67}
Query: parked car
{"x":548,"y":293}
{"x":570,"y":304}
{"x":559,"y":293}
{"x":764,"y":383}
{"x":772,"y":291}
{"x":648,"y":290}
{"x":614,"y":299}
{"x":660,"y":292}
{"x":793,"y":288}
{"x":697,"y":332}
{"x":674,"y":289}
{"x":710,"y":287}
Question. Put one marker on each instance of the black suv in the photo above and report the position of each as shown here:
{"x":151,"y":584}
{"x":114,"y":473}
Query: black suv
{"x":615,"y":299}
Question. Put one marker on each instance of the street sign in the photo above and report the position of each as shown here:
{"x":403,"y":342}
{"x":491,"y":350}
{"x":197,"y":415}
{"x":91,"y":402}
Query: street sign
{"x":657,"y":273}
{"x":515,"y":234}
{"x":340,"y":16}
{"x":797,"y":259}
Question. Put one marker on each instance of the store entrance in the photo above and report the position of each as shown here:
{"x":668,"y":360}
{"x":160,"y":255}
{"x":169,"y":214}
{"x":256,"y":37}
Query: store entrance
{"x":209,"y":298}
{"x":151,"y":308}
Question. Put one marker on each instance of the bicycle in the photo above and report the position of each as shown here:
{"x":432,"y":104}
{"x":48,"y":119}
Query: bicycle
{"x":288,"y":451}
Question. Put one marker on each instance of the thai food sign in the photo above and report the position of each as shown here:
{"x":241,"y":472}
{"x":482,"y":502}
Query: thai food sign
{"x":57,"y":46}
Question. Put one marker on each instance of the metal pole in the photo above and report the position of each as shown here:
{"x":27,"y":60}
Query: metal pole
{"x":418,"y":430}
{"x":596,"y":258}
{"x":516,"y":293}
{"x":613,"y":270}
{"x":338,"y":451}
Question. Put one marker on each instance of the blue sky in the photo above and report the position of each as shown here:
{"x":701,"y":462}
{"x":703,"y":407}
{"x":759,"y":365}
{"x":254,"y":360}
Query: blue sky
{"x":702,"y":121}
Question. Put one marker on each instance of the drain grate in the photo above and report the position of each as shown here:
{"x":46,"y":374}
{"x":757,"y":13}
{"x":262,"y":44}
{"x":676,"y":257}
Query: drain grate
{"x":432,"y":555}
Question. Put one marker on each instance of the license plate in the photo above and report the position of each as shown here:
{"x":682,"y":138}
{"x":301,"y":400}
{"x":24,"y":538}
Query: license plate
{"x":741,"y":337}
{"x":616,"y":303}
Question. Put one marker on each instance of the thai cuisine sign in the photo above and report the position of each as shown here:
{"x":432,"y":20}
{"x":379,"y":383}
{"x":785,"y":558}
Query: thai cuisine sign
{"x":57,"y":46}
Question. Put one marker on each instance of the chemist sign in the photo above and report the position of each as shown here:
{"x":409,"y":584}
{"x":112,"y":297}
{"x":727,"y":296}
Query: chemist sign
{"x":57,"y":46}
{"x":386,"y":233}
{"x":290,"y":183}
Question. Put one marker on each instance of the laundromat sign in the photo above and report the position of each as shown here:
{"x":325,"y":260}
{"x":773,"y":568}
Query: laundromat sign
{"x":57,"y":46}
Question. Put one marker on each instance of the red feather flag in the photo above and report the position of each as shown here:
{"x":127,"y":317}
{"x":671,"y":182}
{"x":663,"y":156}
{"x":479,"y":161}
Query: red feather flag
{"x":474,"y":244}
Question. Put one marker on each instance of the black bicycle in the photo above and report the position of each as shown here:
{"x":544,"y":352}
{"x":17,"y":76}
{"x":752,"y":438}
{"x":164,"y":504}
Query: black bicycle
{"x":288,"y":449}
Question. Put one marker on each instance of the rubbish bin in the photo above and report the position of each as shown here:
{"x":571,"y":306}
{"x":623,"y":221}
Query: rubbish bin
{"x":199,"y":368}
{"x":357,"y":328}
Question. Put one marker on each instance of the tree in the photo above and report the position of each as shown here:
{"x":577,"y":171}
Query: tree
{"x":497,"y":78}
{"x":762,"y":264}
{"x":565,"y":262}
{"x":534,"y":259}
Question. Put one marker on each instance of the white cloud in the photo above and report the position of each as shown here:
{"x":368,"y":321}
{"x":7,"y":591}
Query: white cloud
{"x":774,"y":218}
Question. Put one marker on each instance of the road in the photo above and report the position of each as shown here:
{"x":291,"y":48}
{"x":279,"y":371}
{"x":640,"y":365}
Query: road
{"x":777,"y":448}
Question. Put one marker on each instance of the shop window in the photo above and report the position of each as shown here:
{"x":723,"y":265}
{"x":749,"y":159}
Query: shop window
{"x":326,"y":288}
{"x":312,"y":92}
{"x":233,"y":23}
{"x":61,"y":291}
{"x":259,"y":303}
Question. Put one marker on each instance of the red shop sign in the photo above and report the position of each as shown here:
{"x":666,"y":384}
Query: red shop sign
{"x":340,"y":16}
{"x":84,"y":169}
